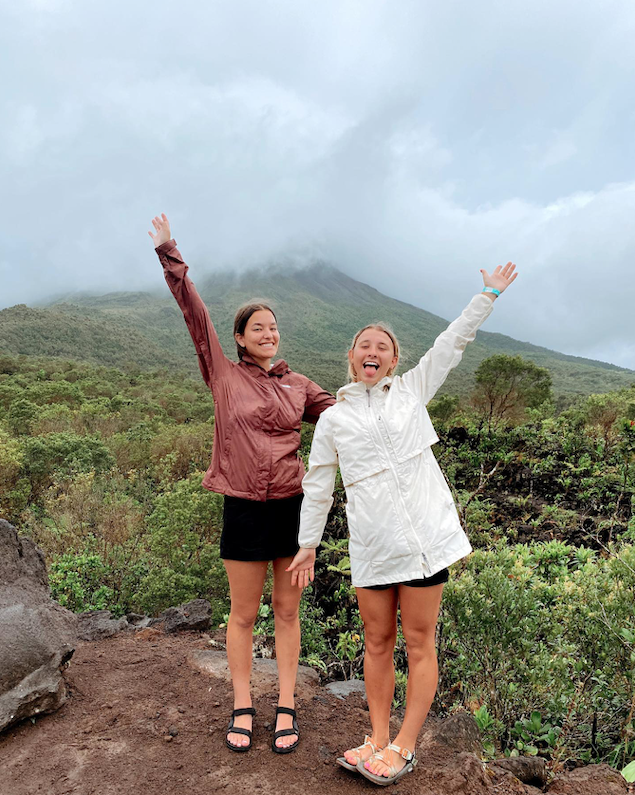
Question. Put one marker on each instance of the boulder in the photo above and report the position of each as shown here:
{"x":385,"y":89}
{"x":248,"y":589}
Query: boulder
{"x":458,"y":732}
{"x":264,"y":673}
{"x":195,"y":615}
{"x":343,"y":689}
{"x":589,"y":780}
{"x":38,"y":636}
{"x":528,"y":769}
{"x":98,"y":624}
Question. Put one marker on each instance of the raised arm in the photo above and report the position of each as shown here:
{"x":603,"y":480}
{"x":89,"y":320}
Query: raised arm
{"x":211,"y":359}
{"x":428,"y":376}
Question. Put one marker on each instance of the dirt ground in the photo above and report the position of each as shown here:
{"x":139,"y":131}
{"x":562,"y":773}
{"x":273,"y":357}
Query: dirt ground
{"x":141,"y":719}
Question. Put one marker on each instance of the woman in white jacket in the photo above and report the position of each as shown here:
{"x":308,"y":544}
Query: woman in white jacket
{"x":403,"y":525}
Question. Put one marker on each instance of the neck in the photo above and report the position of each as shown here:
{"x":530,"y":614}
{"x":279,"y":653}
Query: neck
{"x":264,"y":363}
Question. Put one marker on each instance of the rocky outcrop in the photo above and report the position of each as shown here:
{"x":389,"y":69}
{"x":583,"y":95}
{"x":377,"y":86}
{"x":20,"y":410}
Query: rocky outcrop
{"x":528,"y":769}
{"x":347,"y":688}
{"x":589,"y":780}
{"x":458,"y":732}
{"x":99,"y":624}
{"x":195,"y":615}
{"x":264,"y":674}
{"x":38,"y":636}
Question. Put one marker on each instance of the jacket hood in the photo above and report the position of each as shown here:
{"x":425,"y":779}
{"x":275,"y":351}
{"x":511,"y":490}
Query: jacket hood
{"x":357,"y":389}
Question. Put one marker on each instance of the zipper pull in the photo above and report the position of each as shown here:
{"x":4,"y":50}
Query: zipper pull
{"x":368,"y":393}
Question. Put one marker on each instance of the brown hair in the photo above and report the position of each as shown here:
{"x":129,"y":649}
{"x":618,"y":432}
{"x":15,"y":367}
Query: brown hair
{"x":242,"y":316}
{"x":352,"y":375}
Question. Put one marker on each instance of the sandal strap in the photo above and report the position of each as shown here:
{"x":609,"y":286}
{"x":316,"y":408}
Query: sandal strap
{"x":285,"y":711}
{"x":243,"y":711}
{"x":367,"y":741}
{"x":404,"y":753}
{"x":238,"y":730}
{"x":284,"y":733}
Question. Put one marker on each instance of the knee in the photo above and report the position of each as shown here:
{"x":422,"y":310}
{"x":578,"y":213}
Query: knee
{"x":380,"y":643}
{"x":420,"y":642}
{"x":243,"y":618}
{"x":286,"y":611}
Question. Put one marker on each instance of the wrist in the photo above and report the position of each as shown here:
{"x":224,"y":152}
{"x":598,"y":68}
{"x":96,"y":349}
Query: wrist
{"x":491,"y":292}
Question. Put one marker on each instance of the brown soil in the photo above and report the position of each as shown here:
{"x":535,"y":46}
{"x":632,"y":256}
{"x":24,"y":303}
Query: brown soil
{"x":140,"y":719}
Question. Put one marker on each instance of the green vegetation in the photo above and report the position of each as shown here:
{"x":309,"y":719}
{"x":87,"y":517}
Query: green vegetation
{"x":103,"y":469}
{"x":319,"y":309}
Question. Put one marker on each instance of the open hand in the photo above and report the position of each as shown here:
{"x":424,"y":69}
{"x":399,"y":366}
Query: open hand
{"x":502,"y":277}
{"x":302,"y":568}
{"x":162,"y":228}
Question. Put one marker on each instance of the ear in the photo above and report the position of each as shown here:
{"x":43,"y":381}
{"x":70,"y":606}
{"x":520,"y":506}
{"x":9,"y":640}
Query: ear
{"x":240,"y":339}
{"x":350,"y":356}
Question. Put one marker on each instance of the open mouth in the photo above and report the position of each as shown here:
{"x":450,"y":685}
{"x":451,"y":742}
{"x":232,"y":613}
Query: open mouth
{"x":371,"y":367}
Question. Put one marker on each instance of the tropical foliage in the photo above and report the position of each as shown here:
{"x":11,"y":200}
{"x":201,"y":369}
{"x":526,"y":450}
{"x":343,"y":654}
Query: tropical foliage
{"x":102,"y":468}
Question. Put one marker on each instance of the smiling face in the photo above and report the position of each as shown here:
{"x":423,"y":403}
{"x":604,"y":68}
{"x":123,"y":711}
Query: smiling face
{"x":373,"y":356}
{"x":260,"y":338}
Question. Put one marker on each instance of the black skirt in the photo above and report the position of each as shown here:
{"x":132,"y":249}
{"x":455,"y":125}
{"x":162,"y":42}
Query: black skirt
{"x":260,"y":530}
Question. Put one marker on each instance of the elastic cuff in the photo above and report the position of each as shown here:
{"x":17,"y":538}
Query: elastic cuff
{"x":166,"y":247}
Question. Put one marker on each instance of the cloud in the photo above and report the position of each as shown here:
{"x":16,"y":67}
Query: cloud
{"x":410,"y":143}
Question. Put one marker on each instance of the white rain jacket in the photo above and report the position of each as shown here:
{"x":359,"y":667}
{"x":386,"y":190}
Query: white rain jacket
{"x":402,"y":520}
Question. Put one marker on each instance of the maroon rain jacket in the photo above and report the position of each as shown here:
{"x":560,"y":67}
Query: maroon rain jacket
{"x":258,"y":413}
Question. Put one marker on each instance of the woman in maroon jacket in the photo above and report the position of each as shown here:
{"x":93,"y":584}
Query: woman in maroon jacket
{"x":259,"y":408}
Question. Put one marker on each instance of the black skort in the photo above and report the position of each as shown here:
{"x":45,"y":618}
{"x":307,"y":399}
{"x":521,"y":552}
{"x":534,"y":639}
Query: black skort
{"x":437,"y":579}
{"x":260,"y":530}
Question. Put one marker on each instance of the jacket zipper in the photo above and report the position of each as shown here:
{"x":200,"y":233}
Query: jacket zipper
{"x":424,"y":557}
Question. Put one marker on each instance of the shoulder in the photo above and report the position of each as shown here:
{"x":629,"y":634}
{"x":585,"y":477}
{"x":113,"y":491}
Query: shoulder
{"x":325,"y":421}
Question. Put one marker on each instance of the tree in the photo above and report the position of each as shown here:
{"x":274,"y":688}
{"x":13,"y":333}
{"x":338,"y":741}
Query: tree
{"x":507,"y":385}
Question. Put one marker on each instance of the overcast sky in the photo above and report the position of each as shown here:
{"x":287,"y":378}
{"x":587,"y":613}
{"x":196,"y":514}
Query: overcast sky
{"x":409,"y":142}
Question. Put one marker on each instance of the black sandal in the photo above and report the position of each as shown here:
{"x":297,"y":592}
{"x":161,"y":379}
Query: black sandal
{"x":230,"y":729}
{"x":285,"y":732}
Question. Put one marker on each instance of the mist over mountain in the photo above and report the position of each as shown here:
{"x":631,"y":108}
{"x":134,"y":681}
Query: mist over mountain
{"x":319,"y":309}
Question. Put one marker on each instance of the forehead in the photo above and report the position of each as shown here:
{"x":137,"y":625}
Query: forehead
{"x":376,"y":336}
{"x":262,"y":317}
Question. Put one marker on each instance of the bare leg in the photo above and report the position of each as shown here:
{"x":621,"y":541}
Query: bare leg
{"x":379,"y":613}
{"x":246,"y":580}
{"x":286,"y":604}
{"x":419,"y":613}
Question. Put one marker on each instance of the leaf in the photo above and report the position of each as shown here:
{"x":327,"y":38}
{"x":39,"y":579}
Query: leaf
{"x":629,"y":771}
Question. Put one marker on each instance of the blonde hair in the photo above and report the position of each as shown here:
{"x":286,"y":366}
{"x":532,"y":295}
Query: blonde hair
{"x":352,"y":375}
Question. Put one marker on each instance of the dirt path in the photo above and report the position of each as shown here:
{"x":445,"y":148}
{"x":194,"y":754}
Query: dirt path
{"x":142,"y":720}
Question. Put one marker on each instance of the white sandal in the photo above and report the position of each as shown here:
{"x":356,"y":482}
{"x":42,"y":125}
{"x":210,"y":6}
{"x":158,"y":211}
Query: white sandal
{"x":341,"y":760}
{"x":393,"y":773}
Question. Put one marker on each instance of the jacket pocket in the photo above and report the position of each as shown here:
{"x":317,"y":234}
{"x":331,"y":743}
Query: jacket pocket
{"x":374,"y":520}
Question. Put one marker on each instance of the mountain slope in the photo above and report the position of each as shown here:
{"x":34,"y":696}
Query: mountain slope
{"x":318,"y":308}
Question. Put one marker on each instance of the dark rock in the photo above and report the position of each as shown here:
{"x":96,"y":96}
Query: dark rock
{"x":98,"y":624}
{"x":195,"y":615}
{"x":528,"y":769}
{"x":38,"y":635}
{"x":589,"y":780}
{"x":264,"y":673}
{"x":343,"y":689}
{"x":457,"y":732}
{"x":137,"y":620}
{"x":463,"y":774}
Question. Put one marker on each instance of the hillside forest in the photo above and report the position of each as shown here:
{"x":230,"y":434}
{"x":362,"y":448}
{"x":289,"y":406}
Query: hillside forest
{"x":102,"y":468}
